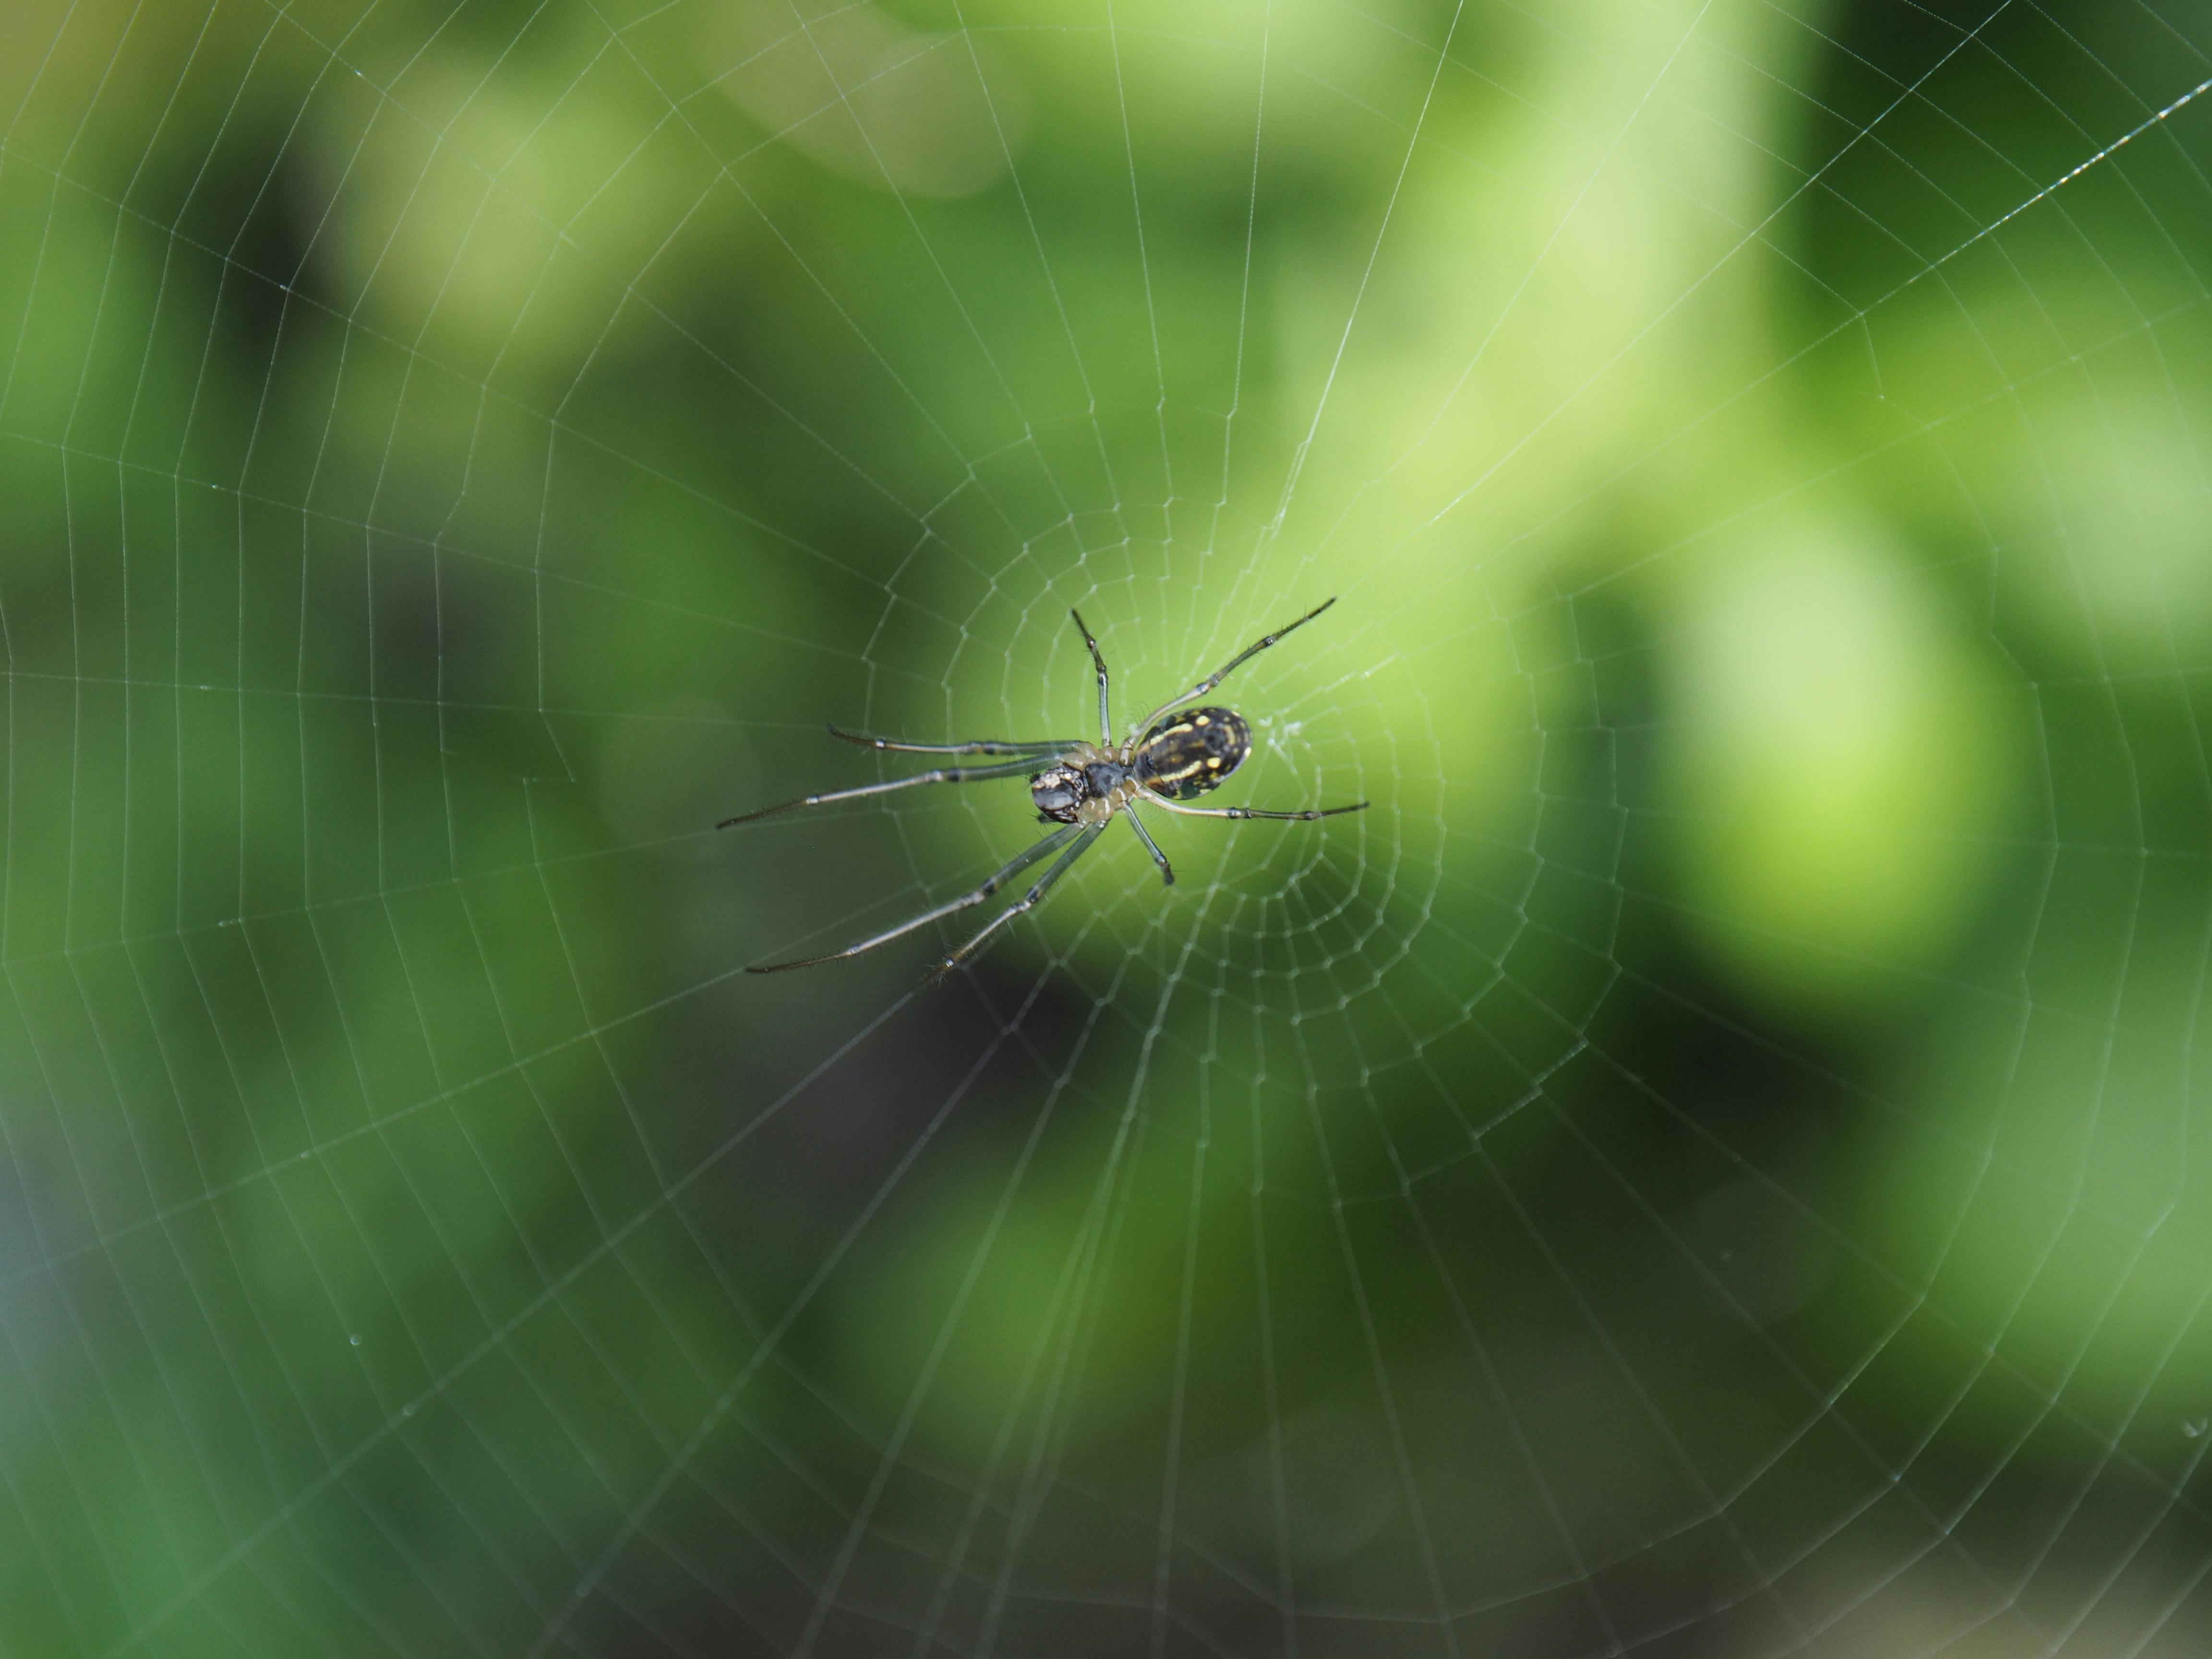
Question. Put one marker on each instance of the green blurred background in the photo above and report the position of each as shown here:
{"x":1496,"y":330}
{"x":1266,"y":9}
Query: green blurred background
{"x":1710,"y":1163}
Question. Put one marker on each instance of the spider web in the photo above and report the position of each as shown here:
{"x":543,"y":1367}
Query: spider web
{"x":1704,"y":1164}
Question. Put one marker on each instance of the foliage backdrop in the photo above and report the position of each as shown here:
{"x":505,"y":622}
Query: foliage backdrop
{"x":1710,"y":1163}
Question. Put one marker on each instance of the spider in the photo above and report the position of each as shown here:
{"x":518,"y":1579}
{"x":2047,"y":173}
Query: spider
{"x":1174,"y":758}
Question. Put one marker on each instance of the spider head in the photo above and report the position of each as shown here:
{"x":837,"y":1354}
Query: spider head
{"x":1059,"y":793}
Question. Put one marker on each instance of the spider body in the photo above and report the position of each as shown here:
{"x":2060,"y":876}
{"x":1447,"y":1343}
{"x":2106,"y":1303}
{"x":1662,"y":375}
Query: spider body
{"x":1080,"y":789}
{"x":1179,"y":758}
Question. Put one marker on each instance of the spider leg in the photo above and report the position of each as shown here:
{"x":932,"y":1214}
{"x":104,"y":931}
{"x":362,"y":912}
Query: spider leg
{"x":1013,"y":867}
{"x":941,"y":775}
{"x":1167,"y":875}
{"x":1233,"y":665}
{"x":1027,"y":902}
{"x":1254,"y":811}
{"x":1105,"y":725}
{"x":1052,"y":746}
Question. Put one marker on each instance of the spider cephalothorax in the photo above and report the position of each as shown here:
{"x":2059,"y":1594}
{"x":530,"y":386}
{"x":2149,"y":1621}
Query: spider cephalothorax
{"x":1175,"y":758}
{"x":1087,"y":785}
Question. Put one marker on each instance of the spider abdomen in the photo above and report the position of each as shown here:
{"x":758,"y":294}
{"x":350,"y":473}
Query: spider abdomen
{"x":1192,"y":751}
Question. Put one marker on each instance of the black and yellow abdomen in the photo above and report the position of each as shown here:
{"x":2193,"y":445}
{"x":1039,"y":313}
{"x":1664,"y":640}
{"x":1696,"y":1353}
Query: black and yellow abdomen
{"x":1188,"y":753}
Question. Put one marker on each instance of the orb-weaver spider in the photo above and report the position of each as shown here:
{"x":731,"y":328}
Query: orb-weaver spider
{"x":1175,"y":757}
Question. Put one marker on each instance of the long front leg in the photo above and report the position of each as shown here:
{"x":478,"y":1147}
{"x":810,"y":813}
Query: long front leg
{"x":1105,"y":725}
{"x":1254,"y":811}
{"x":942,"y":775}
{"x":1233,"y":665}
{"x":1027,"y":902}
{"x":967,"y":900}
{"x":989,"y":746}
